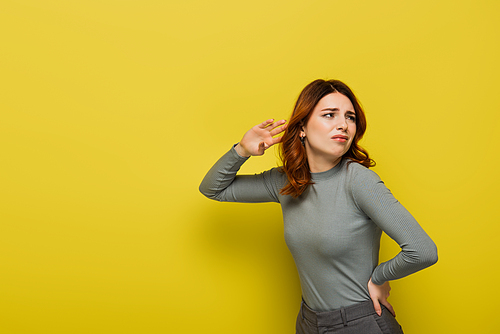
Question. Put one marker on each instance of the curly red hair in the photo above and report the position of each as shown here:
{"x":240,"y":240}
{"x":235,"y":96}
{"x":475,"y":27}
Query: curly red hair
{"x":293,"y":153}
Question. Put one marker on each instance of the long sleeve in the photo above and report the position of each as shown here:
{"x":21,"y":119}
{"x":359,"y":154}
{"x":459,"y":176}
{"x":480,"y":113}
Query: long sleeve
{"x":418,"y":251}
{"x":222,"y":184}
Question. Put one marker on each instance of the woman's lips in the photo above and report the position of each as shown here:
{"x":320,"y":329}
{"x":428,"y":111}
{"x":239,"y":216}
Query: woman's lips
{"x":340,"y":138}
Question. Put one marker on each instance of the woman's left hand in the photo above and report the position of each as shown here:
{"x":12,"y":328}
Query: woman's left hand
{"x":379,"y":295}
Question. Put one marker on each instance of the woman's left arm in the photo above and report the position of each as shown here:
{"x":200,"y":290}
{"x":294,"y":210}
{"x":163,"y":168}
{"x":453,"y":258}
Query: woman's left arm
{"x":418,"y":251}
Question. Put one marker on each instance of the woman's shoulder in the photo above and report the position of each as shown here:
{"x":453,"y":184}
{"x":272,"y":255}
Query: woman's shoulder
{"x":363,"y":183}
{"x":357,"y":171}
{"x":276,"y":175}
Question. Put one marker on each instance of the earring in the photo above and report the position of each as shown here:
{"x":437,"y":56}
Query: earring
{"x":302,"y":140}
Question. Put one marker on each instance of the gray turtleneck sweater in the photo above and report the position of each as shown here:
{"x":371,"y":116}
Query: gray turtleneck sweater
{"x":333,"y":229}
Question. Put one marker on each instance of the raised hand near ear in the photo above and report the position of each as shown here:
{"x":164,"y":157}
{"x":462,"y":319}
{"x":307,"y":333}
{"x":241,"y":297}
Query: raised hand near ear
{"x":259,"y":138}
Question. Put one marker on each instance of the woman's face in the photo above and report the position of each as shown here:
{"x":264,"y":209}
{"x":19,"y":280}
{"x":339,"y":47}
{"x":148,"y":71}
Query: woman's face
{"x":329,"y":131}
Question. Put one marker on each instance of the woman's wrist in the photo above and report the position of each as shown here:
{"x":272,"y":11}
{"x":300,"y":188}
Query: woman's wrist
{"x":241,"y":151}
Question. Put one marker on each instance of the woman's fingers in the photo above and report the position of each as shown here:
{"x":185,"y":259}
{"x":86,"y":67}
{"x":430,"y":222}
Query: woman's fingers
{"x":275,"y":124}
{"x":377,"y":307}
{"x":277,"y":130}
{"x":389,"y":307}
{"x":379,"y":295}
{"x":277,"y":140}
{"x":260,"y":137}
{"x":270,"y":124}
{"x":264,"y":124}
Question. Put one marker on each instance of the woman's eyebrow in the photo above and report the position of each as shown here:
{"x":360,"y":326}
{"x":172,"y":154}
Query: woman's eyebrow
{"x":350,"y":112}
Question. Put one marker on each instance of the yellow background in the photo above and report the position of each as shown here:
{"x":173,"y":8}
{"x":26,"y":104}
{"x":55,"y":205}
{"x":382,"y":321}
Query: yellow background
{"x":113,"y":111}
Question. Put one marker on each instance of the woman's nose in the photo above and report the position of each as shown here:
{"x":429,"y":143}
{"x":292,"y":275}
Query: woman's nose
{"x":342,"y":125}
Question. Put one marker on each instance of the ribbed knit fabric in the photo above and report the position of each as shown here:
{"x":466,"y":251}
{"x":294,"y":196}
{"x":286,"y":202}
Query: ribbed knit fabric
{"x":333,"y":229}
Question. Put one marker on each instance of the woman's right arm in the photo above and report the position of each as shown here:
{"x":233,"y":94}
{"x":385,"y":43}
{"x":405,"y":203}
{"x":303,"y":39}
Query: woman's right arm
{"x":221,"y":182}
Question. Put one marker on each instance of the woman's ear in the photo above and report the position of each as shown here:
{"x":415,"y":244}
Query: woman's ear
{"x":302,"y":130}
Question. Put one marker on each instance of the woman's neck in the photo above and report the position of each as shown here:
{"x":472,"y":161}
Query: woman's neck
{"x":318,"y":165}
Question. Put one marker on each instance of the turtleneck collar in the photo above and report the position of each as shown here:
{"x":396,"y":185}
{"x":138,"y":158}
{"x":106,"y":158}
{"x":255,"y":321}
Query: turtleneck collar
{"x":329,"y":173}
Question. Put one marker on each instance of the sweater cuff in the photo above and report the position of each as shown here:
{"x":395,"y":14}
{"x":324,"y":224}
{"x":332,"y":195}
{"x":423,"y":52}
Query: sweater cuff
{"x":239,"y":157}
{"x":375,"y":278}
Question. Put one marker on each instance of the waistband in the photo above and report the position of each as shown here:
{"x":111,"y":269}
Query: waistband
{"x":336,"y":317}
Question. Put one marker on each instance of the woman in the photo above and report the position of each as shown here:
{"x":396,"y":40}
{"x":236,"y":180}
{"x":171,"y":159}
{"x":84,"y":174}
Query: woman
{"x":334,"y":211}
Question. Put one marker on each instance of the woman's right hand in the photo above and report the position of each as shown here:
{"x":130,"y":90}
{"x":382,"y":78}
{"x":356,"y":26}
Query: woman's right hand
{"x":260,"y":138}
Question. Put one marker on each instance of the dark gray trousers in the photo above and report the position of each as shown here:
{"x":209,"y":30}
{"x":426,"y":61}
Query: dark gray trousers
{"x":356,"y":319}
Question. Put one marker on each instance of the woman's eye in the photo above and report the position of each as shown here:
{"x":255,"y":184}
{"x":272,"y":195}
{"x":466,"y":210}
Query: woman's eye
{"x":351,"y":118}
{"x":329,"y":115}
